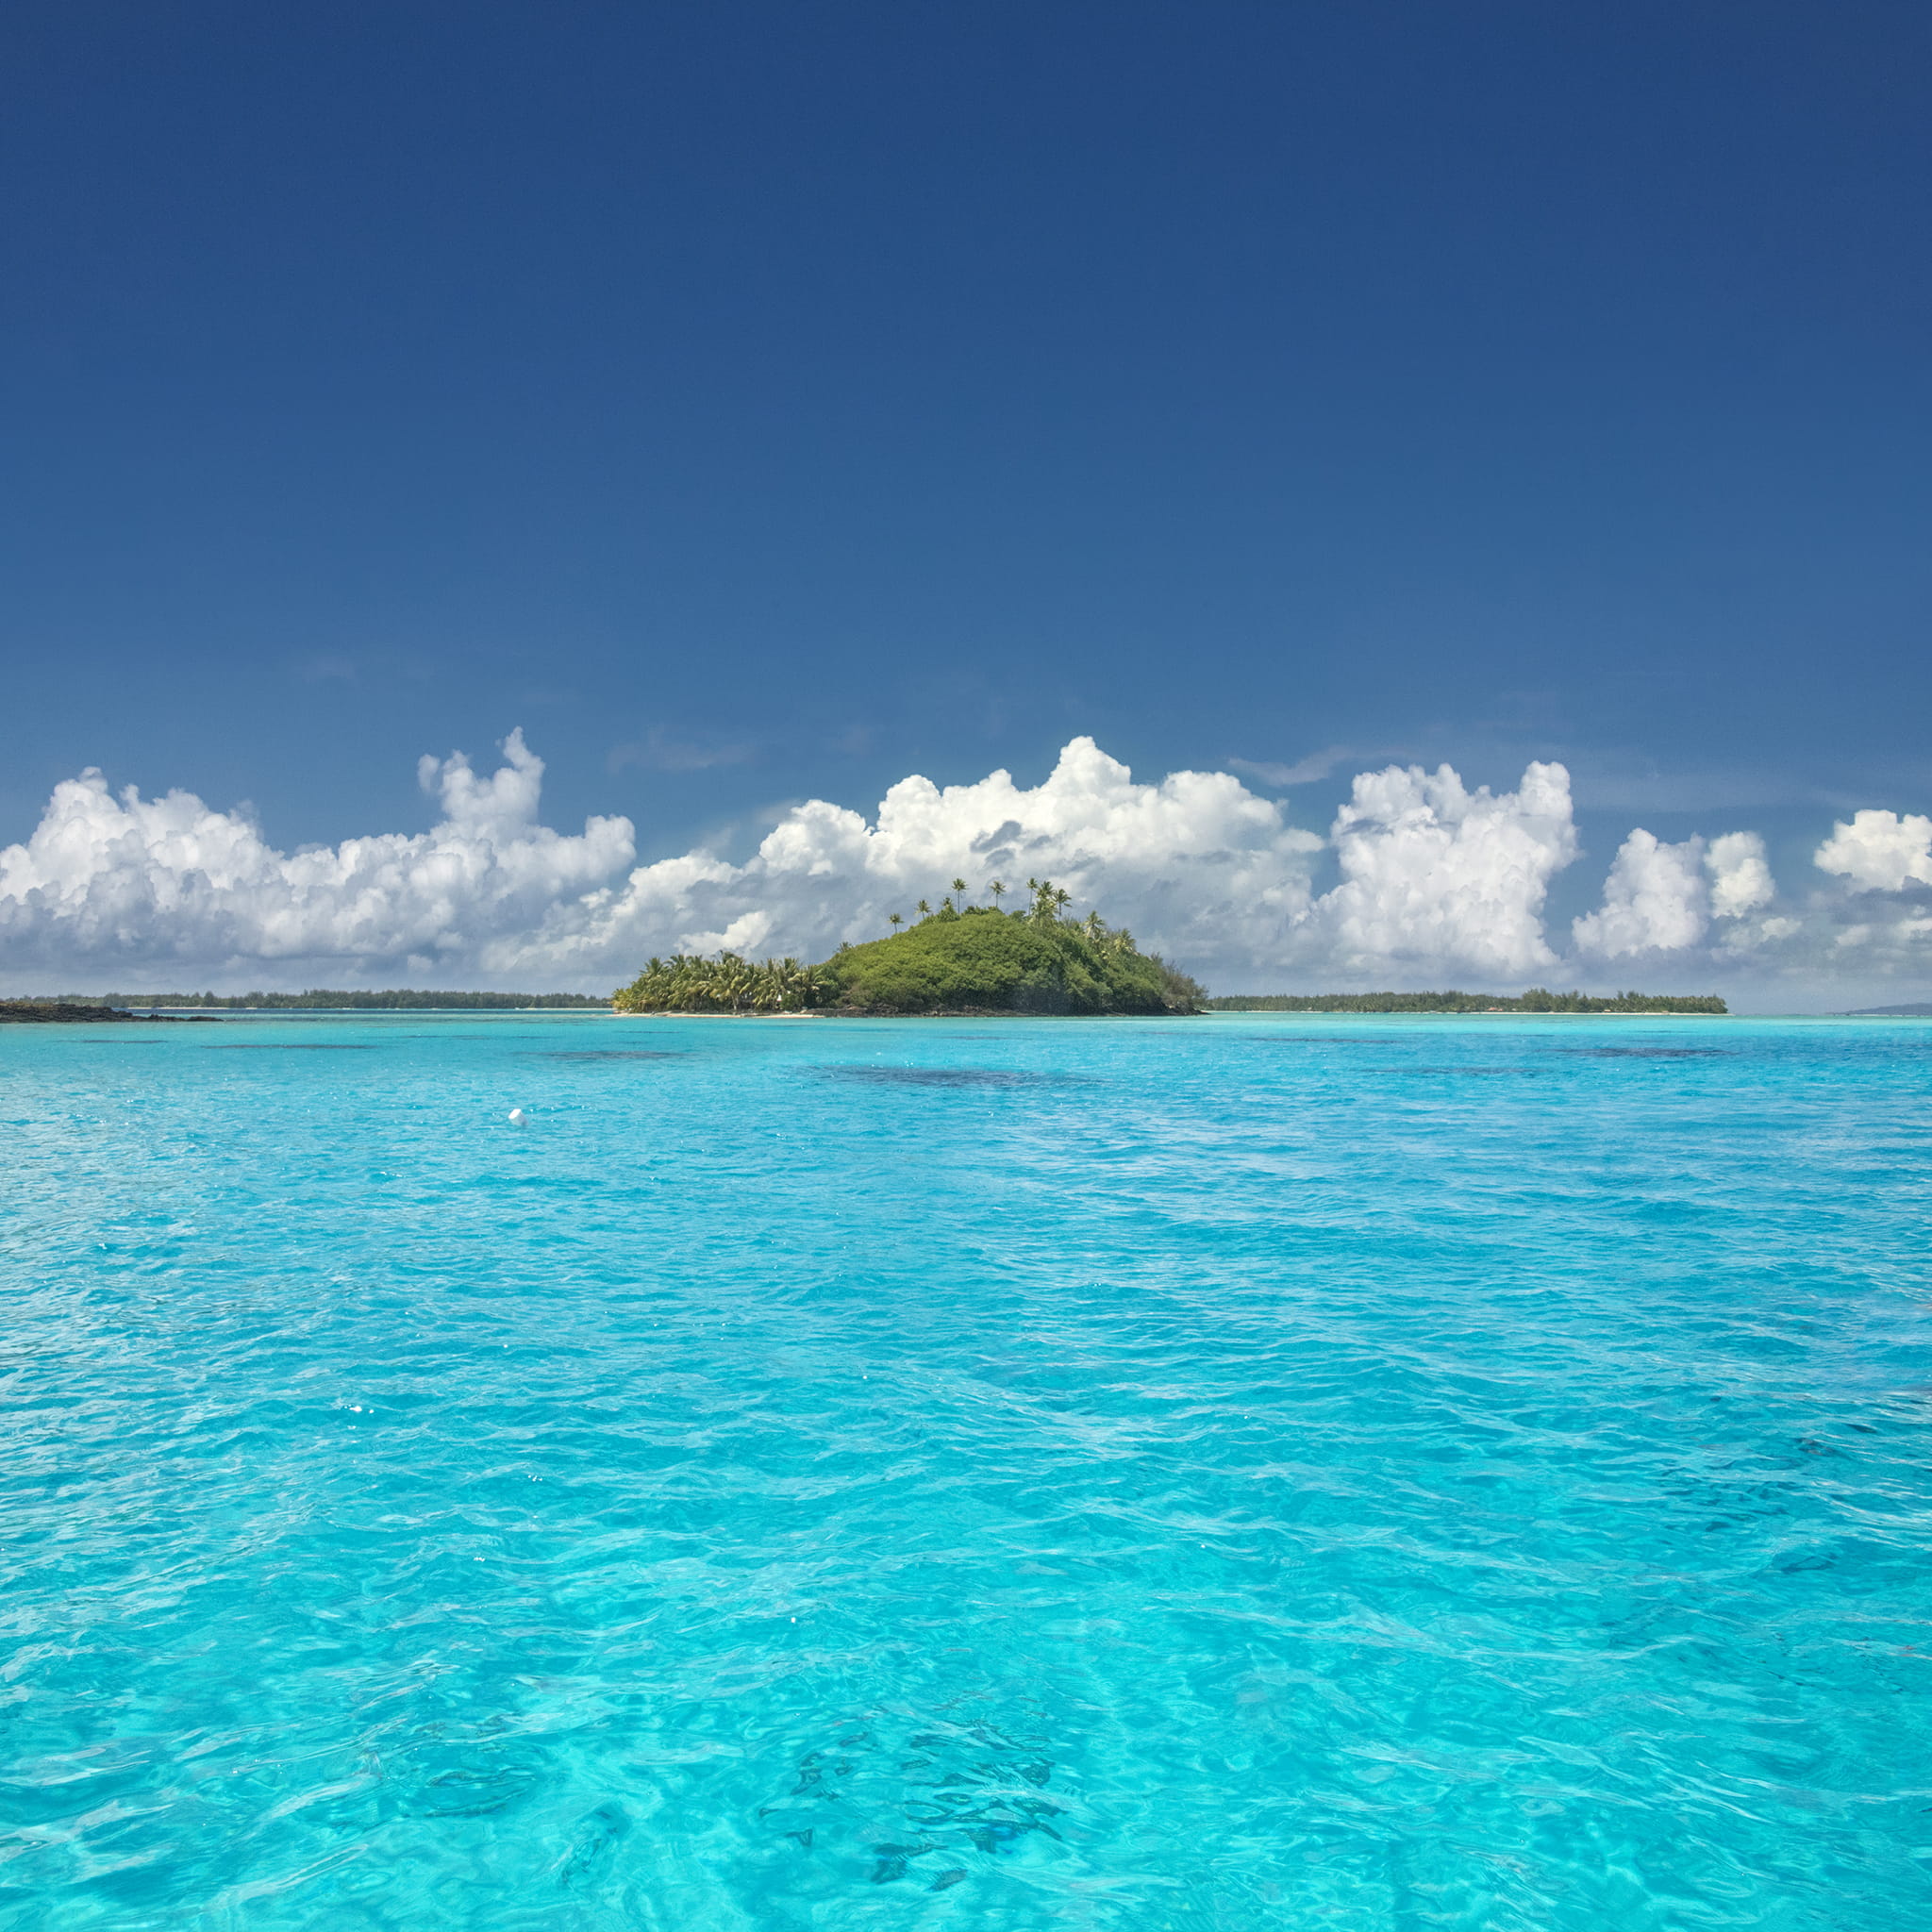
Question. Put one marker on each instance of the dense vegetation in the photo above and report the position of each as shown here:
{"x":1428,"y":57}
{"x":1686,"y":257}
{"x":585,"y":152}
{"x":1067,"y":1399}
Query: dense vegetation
{"x":687,"y":983}
{"x":353,"y":1002}
{"x":72,"y":1011}
{"x":980,"y":961}
{"x":1536,"y":1000}
{"x":961,"y":959}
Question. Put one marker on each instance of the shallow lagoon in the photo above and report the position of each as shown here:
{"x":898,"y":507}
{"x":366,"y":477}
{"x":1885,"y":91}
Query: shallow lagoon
{"x":1256,"y":1472}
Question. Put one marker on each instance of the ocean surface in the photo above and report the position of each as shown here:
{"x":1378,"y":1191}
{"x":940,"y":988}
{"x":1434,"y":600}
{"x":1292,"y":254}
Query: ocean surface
{"x":1260,"y":1472}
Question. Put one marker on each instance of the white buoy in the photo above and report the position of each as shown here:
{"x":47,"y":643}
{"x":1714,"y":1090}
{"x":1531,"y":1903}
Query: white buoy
{"x":518,"y":1118}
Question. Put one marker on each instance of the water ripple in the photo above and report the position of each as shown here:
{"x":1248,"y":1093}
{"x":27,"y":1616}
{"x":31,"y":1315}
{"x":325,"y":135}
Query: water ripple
{"x":1209,"y":1488}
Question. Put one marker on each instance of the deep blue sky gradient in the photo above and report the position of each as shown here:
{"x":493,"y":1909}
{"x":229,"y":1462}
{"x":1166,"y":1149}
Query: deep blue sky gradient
{"x":761,"y":400}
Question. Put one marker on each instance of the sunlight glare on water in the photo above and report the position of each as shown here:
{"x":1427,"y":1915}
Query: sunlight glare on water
{"x":1248,"y":1472}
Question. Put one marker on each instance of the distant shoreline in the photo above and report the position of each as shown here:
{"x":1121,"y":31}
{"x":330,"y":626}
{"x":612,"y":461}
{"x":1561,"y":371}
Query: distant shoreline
{"x":1537,"y":999}
{"x":331,"y":1000}
{"x":72,"y":1013}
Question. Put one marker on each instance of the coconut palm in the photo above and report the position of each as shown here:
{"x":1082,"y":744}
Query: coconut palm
{"x":924,"y":910}
{"x":724,"y":985}
{"x":998,"y":891}
{"x":896,"y":919}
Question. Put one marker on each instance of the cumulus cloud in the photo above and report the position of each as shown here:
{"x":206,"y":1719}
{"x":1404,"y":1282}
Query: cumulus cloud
{"x":1196,"y":861}
{"x":1741,"y":880}
{"x":1654,"y":900}
{"x":1663,"y":898}
{"x":1879,"y":851}
{"x":168,"y":883}
{"x":119,"y":884}
{"x":1437,"y":883}
{"x":1435,"y":875}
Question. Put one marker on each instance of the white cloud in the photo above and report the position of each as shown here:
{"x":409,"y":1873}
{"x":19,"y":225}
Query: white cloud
{"x":1663,"y":899}
{"x":164,"y":884}
{"x":1879,"y":851}
{"x":1436,"y":877}
{"x":1741,"y":880}
{"x":1197,"y":863}
{"x":1306,"y":771}
{"x":111,"y":887}
{"x":1654,"y":900}
{"x":1439,"y":885}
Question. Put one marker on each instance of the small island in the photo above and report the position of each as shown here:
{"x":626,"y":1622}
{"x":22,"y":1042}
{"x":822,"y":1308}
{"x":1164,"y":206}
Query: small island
{"x":959,"y":958}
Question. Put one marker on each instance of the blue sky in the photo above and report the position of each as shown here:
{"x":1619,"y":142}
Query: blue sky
{"x":759,"y":402}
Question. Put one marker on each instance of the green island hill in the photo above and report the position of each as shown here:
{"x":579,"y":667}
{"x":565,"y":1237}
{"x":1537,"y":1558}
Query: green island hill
{"x":959,"y":960}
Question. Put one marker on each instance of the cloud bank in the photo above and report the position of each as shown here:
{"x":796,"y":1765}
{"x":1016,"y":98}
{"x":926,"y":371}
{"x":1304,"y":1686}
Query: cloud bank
{"x":1434,"y":884}
{"x":1435,"y":875}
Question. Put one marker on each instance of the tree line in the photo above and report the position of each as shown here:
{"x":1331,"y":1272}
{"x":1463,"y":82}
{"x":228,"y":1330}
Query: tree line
{"x":1536,"y":1000}
{"x":401,"y":998}
{"x":690,"y":983}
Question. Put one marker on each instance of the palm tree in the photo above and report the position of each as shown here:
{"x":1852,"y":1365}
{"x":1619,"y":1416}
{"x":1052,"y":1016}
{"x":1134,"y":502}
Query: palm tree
{"x":998,"y":891}
{"x":924,"y":909}
{"x":897,"y":919}
{"x":958,"y":885}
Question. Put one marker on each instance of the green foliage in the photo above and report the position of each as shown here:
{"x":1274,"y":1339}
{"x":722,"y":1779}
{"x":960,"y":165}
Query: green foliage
{"x":973,"y":958}
{"x":983,"y":961}
{"x":1539,"y":1001}
{"x":1536,"y":1000}
{"x":687,"y":984}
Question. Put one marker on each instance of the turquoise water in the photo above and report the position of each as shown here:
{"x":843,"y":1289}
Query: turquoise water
{"x":1249,"y":1472}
